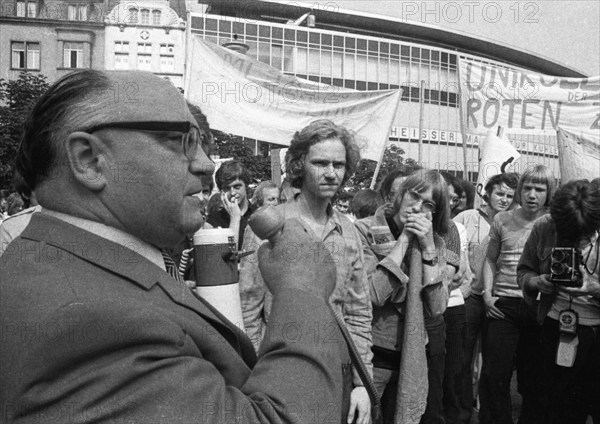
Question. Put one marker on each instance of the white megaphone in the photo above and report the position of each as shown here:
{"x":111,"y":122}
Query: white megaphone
{"x":216,"y":266}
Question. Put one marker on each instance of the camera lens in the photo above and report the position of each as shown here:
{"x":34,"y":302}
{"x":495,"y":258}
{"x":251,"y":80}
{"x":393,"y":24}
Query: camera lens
{"x":558,"y":255}
{"x":557,"y":268}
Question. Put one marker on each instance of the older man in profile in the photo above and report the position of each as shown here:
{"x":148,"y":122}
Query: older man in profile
{"x":94,"y":325}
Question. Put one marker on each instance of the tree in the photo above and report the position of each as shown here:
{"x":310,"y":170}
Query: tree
{"x":231,"y":146}
{"x":17,"y":97}
{"x":392,"y":158}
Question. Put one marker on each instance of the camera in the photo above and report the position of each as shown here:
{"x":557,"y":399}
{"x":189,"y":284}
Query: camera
{"x":564,"y":269}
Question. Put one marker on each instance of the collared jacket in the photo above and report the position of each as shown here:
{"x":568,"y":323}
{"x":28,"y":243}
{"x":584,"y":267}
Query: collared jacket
{"x":536,"y":260}
{"x":351,"y":293}
{"x":95,"y":332}
{"x":388,"y":281}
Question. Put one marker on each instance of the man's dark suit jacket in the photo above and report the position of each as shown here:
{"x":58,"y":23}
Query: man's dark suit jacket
{"x":94,"y":332}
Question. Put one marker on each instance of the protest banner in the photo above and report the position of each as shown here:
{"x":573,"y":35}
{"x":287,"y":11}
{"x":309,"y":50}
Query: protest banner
{"x":245,"y":97}
{"x":579,"y":155}
{"x":527,"y":103}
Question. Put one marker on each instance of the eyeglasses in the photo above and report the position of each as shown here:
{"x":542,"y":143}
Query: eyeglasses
{"x":191,"y":136}
{"x":454,"y":200}
{"x":426,"y":205}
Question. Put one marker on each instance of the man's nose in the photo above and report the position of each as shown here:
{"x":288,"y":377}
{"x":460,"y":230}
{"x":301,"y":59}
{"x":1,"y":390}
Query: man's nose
{"x":202,"y":164}
{"x":330,"y":170}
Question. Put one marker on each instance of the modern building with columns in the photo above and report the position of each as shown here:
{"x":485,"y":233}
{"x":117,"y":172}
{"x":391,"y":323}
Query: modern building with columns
{"x":366,"y":51}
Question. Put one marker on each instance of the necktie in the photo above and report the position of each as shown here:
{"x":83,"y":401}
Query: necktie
{"x":171,"y":268}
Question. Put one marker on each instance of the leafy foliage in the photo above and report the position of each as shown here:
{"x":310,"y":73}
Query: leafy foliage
{"x":17,"y":97}
{"x":392,"y":158}
{"x":230,"y":146}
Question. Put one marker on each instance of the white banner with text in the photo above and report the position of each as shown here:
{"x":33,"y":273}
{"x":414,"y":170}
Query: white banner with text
{"x":526,"y":103}
{"x":242,"y":96}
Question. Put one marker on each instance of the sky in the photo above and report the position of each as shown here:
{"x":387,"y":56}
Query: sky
{"x":567,"y":31}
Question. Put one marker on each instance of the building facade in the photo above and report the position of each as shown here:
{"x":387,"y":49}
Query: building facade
{"x":50,"y":37}
{"x":351,"y":50}
{"x":54,"y":37}
{"x":146,"y":35}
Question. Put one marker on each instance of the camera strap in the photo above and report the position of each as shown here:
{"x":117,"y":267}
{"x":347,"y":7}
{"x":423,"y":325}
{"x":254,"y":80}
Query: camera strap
{"x":587,"y":258}
{"x":568,"y":341}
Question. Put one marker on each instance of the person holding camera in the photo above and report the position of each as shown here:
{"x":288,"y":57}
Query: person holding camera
{"x":560,"y":262}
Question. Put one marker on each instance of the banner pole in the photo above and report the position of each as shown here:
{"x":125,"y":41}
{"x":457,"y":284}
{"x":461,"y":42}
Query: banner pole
{"x":378,"y":167}
{"x":462,"y":122}
{"x":421,"y":119}
{"x":387,"y":136}
{"x":188,"y":57}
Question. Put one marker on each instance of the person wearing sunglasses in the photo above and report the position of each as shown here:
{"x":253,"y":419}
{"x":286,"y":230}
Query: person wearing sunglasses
{"x":96,"y":323}
{"x":405,"y":261}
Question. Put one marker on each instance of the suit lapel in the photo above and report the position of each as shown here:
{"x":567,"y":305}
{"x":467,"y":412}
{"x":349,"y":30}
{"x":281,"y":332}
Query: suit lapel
{"x":129,"y":264}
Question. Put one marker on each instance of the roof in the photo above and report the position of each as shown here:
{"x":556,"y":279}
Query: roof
{"x":356,"y":22}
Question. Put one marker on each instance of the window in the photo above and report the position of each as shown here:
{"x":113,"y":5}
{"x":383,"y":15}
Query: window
{"x":144,"y":62}
{"x":31,"y":9}
{"x":122,"y":46}
{"x":27,"y":9}
{"x":167,"y":49}
{"x":144,"y":48}
{"x":21,"y":9}
{"x":77,"y":12}
{"x":73,"y":55}
{"x":167,"y":64}
{"x":133,"y":15}
{"x":25,"y":55}
{"x":145,"y":17}
{"x":156,"y":17}
{"x":121,"y":61}
{"x":167,"y":60}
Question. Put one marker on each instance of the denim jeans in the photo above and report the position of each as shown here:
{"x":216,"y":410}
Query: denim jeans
{"x":386,"y":380}
{"x":454,"y":363}
{"x":436,"y":352}
{"x":516,"y":336}
{"x":474,"y":327}
{"x":572,"y":393}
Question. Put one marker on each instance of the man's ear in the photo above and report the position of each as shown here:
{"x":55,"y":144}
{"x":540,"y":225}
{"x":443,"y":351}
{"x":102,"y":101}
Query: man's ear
{"x":86,"y":157}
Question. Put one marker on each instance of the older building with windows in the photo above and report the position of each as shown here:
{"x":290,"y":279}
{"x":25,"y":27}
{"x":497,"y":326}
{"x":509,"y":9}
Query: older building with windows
{"x":50,"y":37}
{"x":54,"y":37}
{"x":147,"y":35}
{"x":370,"y":52}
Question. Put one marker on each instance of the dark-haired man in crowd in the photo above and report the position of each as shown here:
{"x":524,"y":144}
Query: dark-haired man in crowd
{"x":232,"y":180}
{"x":498,"y":197}
{"x":95,"y":326}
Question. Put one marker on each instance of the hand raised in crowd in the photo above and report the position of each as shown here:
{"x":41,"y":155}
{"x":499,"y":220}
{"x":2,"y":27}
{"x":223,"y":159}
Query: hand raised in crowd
{"x":419,"y":225}
{"x":231,"y":204}
{"x":359,"y":404}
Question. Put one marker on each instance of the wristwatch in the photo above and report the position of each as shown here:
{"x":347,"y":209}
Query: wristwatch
{"x":431,"y":262}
